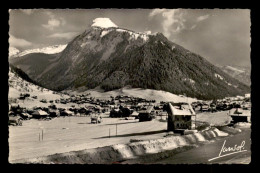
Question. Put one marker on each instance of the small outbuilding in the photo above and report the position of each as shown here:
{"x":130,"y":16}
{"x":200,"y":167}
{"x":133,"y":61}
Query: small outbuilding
{"x":54,"y":113}
{"x":15,"y":120}
{"x":39,"y":114}
{"x":66,"y":113}
{"x":134,"y":114}
{"x":146,"y":115}
{"x":25,"y":115}
{"x":240,"y":115}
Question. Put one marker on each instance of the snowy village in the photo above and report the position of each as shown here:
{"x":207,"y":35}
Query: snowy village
{"x":82,"y":102}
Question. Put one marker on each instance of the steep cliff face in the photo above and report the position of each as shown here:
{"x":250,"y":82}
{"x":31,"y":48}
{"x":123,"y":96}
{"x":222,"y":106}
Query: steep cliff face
{"x":112,"y":57}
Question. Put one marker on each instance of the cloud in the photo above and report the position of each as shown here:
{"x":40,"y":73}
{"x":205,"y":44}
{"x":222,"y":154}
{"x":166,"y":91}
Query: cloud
{"x":18,"y":42}
{"x":201,"y":18}
{"x":193,"y":27}
{"x":53,"y":22}
{"x":27,"y":11}
{"x":173,"y":21}
{"x":50,"y":14}
{"x":66,"y":35}
{"x":156,"y":12}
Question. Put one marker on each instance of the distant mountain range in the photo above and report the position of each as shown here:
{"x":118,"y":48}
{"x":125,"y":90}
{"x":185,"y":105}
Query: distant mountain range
{"x":110,"y":57}
{"x":243,"y":74}
{"x":14,"y":52}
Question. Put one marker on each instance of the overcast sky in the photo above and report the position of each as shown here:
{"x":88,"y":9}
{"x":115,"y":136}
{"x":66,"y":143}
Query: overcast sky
{"x":220,"y":36}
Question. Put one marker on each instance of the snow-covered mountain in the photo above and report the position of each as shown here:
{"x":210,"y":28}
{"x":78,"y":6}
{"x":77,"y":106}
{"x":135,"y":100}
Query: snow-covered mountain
{"x":46,"y":50}
{"x":111,"y":57}
{"x":106,"y":25}
{"x":103,"y":23}
{"x":13,"y":51}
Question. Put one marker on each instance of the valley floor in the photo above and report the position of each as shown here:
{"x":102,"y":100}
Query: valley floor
{"x":77,"y":133}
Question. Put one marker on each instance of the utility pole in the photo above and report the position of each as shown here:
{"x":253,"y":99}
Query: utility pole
{"x":195,"y":121}
{"x":116,"y":129}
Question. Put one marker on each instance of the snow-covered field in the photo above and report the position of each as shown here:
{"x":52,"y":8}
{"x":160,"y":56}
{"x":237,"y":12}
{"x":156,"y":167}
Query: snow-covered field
{"x":242,"y":125}
{"x":148,"y":94}
{"x":218,"y":118}
{"x":77,"y":133}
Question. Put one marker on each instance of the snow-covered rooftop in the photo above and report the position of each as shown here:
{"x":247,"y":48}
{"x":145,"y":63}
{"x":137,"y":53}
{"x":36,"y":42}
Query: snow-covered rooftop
{"x":186,"y":110}
{"x":103,"y":23}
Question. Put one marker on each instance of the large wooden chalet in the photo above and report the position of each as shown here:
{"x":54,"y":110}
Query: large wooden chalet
{"x":181,"y":116}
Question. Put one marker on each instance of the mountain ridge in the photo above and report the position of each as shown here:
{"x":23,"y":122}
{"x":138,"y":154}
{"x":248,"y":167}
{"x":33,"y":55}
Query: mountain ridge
{"x":54,"y":49}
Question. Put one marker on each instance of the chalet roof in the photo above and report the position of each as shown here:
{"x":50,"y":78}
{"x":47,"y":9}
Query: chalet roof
{"x":185,"y":109}
{"x":25,"y":114}
{"x":68,"y":112}
{"x":53,"y":110}
{"x":134,"y":113}
{"x":240,"y":112}
{"x":14,"y":105}
{"x":98,"y":107}
{"x":14,"y":118}
{"x":148,"y":109}
{"x":40,"y":112}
